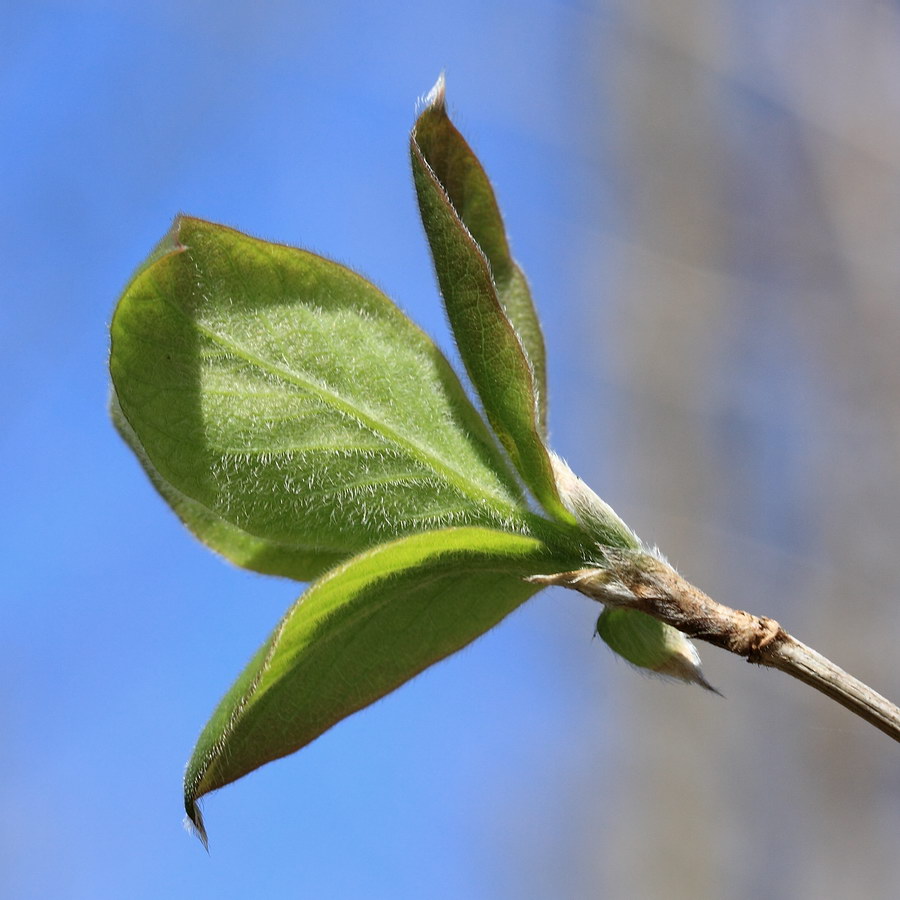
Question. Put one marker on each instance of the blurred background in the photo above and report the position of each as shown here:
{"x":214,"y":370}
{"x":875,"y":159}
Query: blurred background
{"x":706,"y":196}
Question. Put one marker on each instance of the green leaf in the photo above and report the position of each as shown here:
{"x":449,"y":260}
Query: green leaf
{"x":485,"y":295}
{"x":289,"y":412}
{"x":594,"y":515}
{"x":239,"y":547}
{"x":356,"y":634}
{"x":466,"y":184}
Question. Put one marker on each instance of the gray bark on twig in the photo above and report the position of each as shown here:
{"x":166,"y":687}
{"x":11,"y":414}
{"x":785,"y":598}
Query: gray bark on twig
{"x":645,"y":583}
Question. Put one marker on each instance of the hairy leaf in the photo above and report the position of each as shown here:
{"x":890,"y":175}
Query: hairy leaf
{"x":458,"y":212}
{"x":289,"y":412}
{"x":595,"y":516}
{"x":356,"y":634}
{"x":471,"y":194}
{"x":238,"y":546}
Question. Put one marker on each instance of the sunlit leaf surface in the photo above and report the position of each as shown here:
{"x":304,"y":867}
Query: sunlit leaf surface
{"x":289,"y":412}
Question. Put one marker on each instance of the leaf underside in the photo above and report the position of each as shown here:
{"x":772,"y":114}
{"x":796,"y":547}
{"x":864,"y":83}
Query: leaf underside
{"x":237,"y":546}
{"x":458,"y":209}
{"x":356,"y":634}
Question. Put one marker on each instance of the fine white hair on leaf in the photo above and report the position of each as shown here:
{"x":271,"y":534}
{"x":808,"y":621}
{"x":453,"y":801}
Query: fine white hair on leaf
{"x":595,"y":515}
{"x":436,"y":97}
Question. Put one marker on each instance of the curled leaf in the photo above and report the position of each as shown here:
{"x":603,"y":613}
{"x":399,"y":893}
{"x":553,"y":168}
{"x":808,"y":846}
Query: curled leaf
{"x":485,"y":295}
{"x":356,"y":634}
{"x":471,"y":194}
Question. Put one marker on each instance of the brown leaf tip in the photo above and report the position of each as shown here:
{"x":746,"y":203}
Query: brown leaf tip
{"x":193,"y":822}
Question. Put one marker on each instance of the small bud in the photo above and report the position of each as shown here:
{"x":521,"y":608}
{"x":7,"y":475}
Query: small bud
{"x":650,"y":644}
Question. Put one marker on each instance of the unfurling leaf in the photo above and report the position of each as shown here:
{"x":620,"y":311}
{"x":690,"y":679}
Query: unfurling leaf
{"x":356,"y":634}
{"x":642,"y":640}
{"x":484,"y":294}
{"x":289,"y":412}
{"x":471,"y":194}
{"x":595,"y":516}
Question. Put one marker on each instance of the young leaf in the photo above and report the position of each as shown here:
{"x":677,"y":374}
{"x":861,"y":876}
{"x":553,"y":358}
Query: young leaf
{"x":458,"y":211}
{"x":289,"y":412}
{"x":356,"y":634}
{"x":594,"y":515}
{"x":643,"y":641}
{"x":460,"y":173}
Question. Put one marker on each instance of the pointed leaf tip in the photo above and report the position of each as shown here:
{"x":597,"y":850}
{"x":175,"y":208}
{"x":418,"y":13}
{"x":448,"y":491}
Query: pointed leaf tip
{"x":193,"y":822}
{"x":485,"y":293}
{"x":360,"y":631}
{"x":436,"y":98}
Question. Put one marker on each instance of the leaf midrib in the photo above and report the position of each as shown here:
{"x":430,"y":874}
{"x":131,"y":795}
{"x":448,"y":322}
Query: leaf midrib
{"x":327,"y":395}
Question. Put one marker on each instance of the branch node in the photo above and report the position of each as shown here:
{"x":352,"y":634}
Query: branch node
{"x":641,"y":581}
{"x":765,"y":631}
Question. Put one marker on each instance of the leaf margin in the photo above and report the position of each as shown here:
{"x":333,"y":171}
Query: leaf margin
{"x":515,"y":416}
{"x":425,"y":554}
{"x":477,"y":432}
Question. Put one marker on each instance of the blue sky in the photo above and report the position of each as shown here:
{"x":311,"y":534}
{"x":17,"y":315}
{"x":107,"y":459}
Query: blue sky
{"x":706,"y":202}
{"x":120,"y":633}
